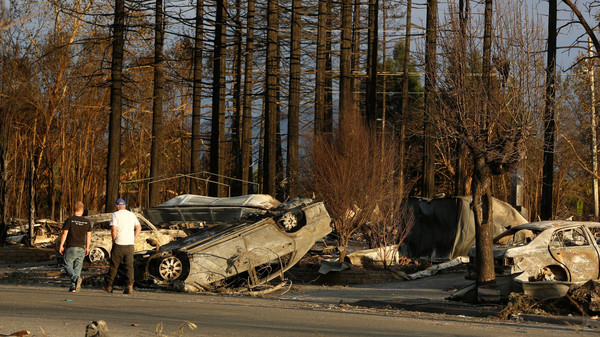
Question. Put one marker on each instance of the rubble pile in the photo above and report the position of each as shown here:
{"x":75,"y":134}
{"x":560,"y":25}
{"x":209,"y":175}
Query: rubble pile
{"x":587,"y":297}
{"x":580,"y":300}
{"x":521,"y":304}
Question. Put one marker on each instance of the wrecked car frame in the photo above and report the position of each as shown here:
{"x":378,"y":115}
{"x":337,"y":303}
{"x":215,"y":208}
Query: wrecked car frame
{"x":248,"y":252}
{"x":546,"y":251}
{"x":149,"y":238}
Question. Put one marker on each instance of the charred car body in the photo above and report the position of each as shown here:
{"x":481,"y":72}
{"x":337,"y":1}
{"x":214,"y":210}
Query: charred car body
{"x":150,"y":237}
{"x":249,"y":250}
{"x":551,"y":251}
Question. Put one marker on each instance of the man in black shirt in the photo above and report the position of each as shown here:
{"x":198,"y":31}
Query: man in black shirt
{"x":75,"y":245}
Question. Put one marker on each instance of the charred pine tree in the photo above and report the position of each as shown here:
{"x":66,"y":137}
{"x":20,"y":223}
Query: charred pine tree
{"x":217,"y":139}
{"x":328,"y":120}
{"x":346,"y":103}
{"x":320,"y":75}
{"x":428,"y":187}
{"x":271,"y":90}
{"x":236,"y":130}
{"x":372,"y":61}
{"x":356,"y":29}
{"x":460,"y":175}
{"x":246,"y":155}
{"x":549,"y":118}
{"x":156,"y":156}
{"x":116,"y":99}
{"x":404,"y":109}
{"x":294,"y":105}
{"x":197,"y":95}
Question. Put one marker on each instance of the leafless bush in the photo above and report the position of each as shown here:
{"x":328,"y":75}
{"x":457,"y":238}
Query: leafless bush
{"x":355,"y":173}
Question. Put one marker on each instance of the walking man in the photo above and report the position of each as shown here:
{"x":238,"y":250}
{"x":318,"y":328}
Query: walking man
{"x":75,"y":245}
{"x":125,"y":228}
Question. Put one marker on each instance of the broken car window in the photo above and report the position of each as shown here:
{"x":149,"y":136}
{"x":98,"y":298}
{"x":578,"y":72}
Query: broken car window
{"x":572,"y":237}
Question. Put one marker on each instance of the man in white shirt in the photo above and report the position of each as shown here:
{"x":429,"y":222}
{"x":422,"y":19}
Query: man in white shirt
{"x":125,"y":228}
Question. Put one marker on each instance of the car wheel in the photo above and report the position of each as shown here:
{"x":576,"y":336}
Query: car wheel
{"x":97,"y":254}
{"x":171,"y":268}
{"x":554,"y":273}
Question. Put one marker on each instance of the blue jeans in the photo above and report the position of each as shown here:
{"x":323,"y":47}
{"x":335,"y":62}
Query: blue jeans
{"x":73,"y":261}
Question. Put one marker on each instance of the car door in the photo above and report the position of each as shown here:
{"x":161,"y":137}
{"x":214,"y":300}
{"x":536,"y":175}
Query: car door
{"x":573,"y":249}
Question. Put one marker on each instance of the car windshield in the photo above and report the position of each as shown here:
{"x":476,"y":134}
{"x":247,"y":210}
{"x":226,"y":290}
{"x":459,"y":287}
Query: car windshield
{"x":516,"y":237}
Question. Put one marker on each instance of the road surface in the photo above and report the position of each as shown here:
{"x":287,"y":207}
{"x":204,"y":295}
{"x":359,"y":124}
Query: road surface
{"x":53,"y":311}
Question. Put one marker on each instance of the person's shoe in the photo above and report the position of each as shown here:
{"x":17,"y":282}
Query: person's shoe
{"x":78,"y":285}
{"x":109,"y":289}
{"x":73,"y":290}
{"x":128,"y":289}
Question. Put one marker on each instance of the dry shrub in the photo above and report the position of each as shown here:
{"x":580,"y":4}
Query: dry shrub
{"x":355,"y":173}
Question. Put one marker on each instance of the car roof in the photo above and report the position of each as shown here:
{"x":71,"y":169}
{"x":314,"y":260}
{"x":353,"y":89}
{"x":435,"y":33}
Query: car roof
{"x":262,"y":201}
{"x":543,"y":225}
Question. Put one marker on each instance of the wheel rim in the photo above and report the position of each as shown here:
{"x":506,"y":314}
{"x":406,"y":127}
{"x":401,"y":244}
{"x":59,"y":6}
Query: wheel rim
{"x":170,"y":268}
{"x":96,"y":255}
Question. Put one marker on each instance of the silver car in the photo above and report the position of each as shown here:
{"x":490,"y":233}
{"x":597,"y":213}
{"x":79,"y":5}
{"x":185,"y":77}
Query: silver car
{"x":565,"y":251}
{"x":150,"y":237}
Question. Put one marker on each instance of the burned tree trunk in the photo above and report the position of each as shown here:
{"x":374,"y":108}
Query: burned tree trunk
{"x":157,"y":109}
{"x":294,"y":106}
{"x":404,"y":109}
{"x":197,"y":96}
{"x":430,"y":101}
{"x":549,"y":120}
{"x":372,"y":60}
{"x":236,"y":128}
{"x":116,"y":99}
{"x":320,"y":83}
{"x":217,"y":139}
{"x":346,"y":103}
{"x":271,"y":89}
{"x":248,"y":91}
{"x":31,"y":233}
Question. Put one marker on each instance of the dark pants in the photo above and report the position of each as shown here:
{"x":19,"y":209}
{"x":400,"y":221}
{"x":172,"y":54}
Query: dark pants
{"x":121,"y":253}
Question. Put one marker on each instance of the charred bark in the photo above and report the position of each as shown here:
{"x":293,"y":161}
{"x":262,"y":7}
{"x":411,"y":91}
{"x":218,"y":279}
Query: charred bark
{"x":320,"y":76}
{"x":294,"y":105}
{"x":217,"y":139}
{"x":248,"y":95}
{"x":272,"y":83}
{"x":428,"y":187}
{"x":157,"y":109}
{"x":549,"y":118}
{"x":197,"y":95}
{"x":116,"y":99}
{"x":372,"y":60}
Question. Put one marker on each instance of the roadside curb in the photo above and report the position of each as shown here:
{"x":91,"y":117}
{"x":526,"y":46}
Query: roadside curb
{"x":482,"y":312}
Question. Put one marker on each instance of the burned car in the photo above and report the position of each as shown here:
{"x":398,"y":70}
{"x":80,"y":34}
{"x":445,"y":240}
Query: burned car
{"x":554,"y":251}
{"x":150,"y":237}
{"x":189,"y":211}
{"x":251,"y":250}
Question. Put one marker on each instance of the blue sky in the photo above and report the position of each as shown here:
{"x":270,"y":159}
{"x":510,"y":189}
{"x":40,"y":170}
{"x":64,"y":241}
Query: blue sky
{"x":569,"y":35}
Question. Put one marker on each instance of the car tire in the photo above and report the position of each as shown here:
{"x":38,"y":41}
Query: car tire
{"x":97,"y":255}
{"x":173,"y":268}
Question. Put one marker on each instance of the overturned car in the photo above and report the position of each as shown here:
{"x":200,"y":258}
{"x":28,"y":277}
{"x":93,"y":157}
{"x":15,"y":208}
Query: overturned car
{"x":250,"y":251}
{"x":546,"y":251}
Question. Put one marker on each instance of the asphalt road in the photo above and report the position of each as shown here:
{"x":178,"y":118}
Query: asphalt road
{"x":52,"y":311}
